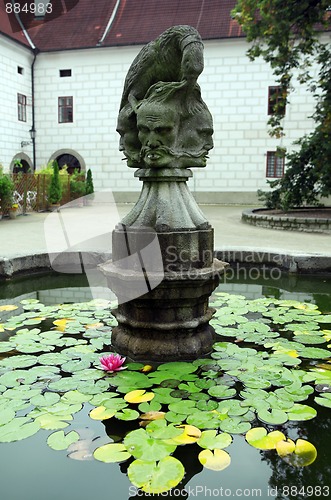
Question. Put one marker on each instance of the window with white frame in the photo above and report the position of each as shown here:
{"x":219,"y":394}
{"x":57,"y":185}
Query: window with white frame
{"x":21,"y":107}
{"x":274,"y":99}
{"x":65,"y":73}
{"x":275,"y":164}
{"x":65,"y":109}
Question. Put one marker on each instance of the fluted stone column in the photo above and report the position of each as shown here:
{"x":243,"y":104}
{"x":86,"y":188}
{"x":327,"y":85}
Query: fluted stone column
{"x":162,"y":269}
{"x":171,"y":320}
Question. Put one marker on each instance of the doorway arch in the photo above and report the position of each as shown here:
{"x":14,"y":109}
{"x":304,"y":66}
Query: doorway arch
{"x":26,"y":164}
{"x":71,"y":158}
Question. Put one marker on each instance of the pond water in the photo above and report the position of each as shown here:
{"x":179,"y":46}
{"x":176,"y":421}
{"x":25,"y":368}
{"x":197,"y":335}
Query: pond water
{"x":31,"y":470}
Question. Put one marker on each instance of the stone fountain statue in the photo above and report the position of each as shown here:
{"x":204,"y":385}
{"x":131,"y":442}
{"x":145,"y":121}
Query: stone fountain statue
{"x":162,"y":267}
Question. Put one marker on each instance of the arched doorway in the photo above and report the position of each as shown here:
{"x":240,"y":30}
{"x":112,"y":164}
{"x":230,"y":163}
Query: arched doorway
{"x":70,"y":158}
{"x":70,"y":161}
{"x":21,"y":163}
{"x":24,"y":167}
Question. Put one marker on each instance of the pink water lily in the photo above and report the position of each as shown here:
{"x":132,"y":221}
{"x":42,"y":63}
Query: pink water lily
{"x":112,"y":363}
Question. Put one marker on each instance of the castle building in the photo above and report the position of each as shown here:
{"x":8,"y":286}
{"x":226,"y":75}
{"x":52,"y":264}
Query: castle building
{"x":63,"y":65}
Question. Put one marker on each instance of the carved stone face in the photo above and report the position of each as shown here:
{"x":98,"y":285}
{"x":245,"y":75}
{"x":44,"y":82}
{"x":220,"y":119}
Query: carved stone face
{"x":129,"y":142}
{"x":195,"y":139}
{"x":157,"y":131}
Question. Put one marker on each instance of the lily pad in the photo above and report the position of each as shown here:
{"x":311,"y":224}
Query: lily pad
{"x":102,"y":413}
{"x":159,"y":429}
{"x":21,"y":393}
{"x":204,"y":419}
{"x":151,"y":415}
{"x":47,"y":399}
{"x":156,"y":478}
{"x":314,"y":353}
{"x":163,"y":395}
{"x":60,"y":441}
{"x":273,"y":416}
{"x":324,"y":400}
{"x":207,"y":405}
{"x":301,"y":412}
{"x":177,"y":367}
{"x":180,"y":394}
{"x":149,"y":406}
{"x":190,"y":434}
{"x":112,"y":452}
{"x":222,"y":392}
{"x":75,"y":397}
{"x":6,"y":415}
{"x":199,"y":396}
{"x":261,"y":439}
{"x":127,"y":414}
{"x":170,"y":382}
{"x":324,"y":319}
{"x":23,"y":361}
{"x":254,"y":382}
{"x":309,"y":339}
{"x":234,"y":425}
{"x":185,"y":407}
{"x":8,"y":307}
{"x":214,"y":459}
{"x":17,"y":429}
{"x":211,"y":440}
{"x":127,"y":381}
{"x":52,"y":422}
{"x":300,"y":454}
{"x":176,"y":418}
{"x":232,"y":407}
{"x":141,"y":445}
{"x":15,"y":378}
{"x":139,"y":396}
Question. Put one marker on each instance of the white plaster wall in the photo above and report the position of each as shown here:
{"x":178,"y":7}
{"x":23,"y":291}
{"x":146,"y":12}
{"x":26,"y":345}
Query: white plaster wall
{"x":235,"y":89}
{"x":96,"y":86}
{"x":13,"y":131}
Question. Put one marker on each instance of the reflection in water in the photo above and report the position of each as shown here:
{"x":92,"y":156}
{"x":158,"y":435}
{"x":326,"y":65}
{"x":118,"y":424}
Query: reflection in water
{"x":117,"y":430}
{"x":286,"y":482}
{"x":304,"y":482}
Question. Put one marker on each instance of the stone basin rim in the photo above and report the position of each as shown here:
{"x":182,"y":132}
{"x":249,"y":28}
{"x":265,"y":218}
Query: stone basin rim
{"x":293,"y":262}
{"x":273,"y":212}
{"x":291,"y":220}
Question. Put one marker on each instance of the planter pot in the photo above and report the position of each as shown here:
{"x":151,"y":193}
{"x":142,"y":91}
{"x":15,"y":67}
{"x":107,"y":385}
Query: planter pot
{"x":12,"y":214}
{"x":54,"y":207}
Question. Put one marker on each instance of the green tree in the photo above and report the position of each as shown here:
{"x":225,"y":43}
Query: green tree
{"x":289,"y":36}
{"x":89,"y":188}
{"x":6,"y":189}
{"x":55,"y":189}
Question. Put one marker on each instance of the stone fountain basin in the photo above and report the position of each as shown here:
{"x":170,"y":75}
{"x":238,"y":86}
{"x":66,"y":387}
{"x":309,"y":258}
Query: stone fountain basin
{"x":308,"y":219}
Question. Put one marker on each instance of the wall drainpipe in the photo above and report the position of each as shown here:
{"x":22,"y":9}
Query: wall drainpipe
{"x":35,"y":52}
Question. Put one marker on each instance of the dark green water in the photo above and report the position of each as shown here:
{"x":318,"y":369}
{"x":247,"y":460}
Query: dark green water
{"x":30,"y":470}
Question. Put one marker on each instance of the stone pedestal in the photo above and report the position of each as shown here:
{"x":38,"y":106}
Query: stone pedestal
{"x":163,"y":272}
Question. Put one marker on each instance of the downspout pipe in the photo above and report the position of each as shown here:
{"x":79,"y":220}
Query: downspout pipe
{"x":110,"y":22}
{"x":35,"y":52}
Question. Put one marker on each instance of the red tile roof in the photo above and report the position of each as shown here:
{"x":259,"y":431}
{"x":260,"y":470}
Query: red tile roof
{"x":10,"y":27}
{"x":138,"y":22}
{"x":77,"y":24}
{"x":81,"y":26}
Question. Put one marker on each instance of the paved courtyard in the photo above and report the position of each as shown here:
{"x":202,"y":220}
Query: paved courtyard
{"x":26,"y":235}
